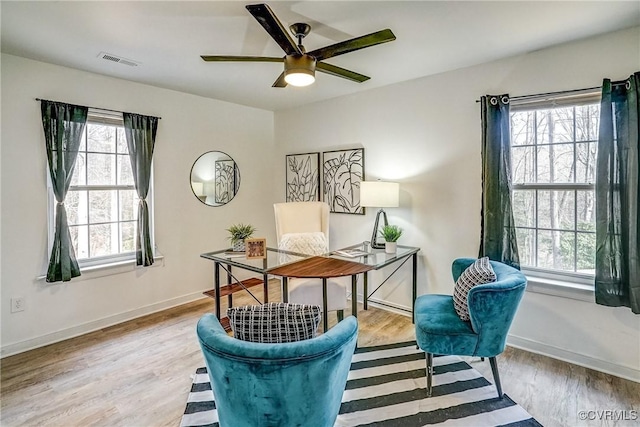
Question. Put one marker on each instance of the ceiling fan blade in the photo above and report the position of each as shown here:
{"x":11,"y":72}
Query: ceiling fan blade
{"x":341,"y":48}
{"x":222,"y":58}
{"x":280,"y":81}
{"x":265,"y":16}
{"x":341,"y":72}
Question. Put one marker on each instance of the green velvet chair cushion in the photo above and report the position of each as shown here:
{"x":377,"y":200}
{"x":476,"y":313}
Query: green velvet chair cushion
{"x":438,"y":323}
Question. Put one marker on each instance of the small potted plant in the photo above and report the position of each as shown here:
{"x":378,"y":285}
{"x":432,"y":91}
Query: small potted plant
{"x":238,"y":233}
{"x":391,"y":234}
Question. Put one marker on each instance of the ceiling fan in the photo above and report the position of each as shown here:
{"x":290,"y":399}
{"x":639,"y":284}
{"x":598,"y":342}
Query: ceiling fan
{"x":300,"y":65}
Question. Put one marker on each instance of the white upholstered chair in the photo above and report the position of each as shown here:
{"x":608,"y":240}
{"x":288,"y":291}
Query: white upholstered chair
{"x":304,"y":227}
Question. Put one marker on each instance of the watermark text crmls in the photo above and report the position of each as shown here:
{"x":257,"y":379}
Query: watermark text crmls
{"x":609,"y":415}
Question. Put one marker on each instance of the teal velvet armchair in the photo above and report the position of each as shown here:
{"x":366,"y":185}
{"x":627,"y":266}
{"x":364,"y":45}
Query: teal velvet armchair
{"x":286,"y":384}
{"x":492,"y":307}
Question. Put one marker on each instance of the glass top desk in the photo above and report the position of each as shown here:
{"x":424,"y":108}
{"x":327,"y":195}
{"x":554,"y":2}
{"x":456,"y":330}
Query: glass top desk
{"x":226,"y":260}
{"x":378,"y":259}
{"x":288,"y":264}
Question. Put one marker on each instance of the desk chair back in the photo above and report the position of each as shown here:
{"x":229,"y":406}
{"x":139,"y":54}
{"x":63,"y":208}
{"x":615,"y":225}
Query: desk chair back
{"x":301,"y":217}
{"x":304,"y":219}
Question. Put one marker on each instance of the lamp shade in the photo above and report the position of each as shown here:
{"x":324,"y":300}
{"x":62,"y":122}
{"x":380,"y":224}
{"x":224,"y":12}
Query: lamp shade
{"x":379,"y":194}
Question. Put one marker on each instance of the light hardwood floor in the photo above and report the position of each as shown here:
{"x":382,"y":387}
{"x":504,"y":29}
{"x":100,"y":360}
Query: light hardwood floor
{"x":138,"y":374}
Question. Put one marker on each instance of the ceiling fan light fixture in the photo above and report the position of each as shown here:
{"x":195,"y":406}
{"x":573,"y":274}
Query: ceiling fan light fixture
{"x":299,"y":70}
{"x":300,"y":78}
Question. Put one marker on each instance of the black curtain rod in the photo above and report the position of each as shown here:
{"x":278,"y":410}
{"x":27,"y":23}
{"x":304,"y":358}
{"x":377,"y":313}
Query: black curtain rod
{"x":560,"y":92}
{"x":563,"y":91}
{"x":95,"y":108}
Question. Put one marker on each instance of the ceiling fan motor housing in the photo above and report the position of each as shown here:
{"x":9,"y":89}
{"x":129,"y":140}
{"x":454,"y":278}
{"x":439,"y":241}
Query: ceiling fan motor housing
{"x":299,"y":70}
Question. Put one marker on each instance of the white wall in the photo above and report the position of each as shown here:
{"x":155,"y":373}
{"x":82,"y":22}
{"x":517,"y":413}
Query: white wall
{"x":185,"y":228}
{"x":425,"y":134}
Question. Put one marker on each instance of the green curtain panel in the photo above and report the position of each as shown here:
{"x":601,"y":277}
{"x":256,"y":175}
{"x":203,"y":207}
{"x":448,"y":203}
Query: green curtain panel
{"x":141,"y":135}
{"x":617,"y":190}
{"x":63,"y":126}
{"x":497,"y":232}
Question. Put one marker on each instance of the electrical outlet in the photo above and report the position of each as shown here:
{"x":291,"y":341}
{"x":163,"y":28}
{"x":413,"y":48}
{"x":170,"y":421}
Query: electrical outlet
{"x":17,"y":304}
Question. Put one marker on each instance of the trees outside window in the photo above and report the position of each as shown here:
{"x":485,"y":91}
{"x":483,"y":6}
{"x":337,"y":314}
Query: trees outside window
{"x":553,"y":173}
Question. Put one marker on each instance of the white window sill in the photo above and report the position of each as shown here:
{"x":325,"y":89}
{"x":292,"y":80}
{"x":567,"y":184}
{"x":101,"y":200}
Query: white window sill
{"x":95,"y":271}
{"x":560,"y":288}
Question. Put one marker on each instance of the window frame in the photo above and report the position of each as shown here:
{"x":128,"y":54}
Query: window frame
{"x":544,"y":276}
{"x":97,"y":116}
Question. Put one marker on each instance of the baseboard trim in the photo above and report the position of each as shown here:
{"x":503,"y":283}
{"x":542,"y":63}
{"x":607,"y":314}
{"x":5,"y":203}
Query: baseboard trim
{"x":626,"y":372}
{"x":65,"y":334}
{"x":390,"y":306}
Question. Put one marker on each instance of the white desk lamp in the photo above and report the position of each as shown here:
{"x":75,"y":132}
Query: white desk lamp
{"x":379,"y":194}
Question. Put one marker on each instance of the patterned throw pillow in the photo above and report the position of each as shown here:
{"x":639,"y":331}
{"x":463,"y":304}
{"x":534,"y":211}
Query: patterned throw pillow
{"x":314,"y":243}
{"x":274,"y":322}
{"x":478,"y":273}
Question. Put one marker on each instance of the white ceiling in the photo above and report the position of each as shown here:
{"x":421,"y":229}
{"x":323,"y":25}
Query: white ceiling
{"x":167,"y":39}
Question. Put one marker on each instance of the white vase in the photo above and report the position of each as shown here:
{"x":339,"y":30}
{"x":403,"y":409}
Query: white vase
{"x":390,"y":247}
{"x":238,"y":246}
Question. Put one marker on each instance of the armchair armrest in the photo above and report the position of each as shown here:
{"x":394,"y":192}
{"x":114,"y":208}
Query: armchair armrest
{"x":492,"y":308}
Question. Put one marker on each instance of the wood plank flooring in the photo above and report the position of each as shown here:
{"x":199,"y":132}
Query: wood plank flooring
{"x":138,"y":374}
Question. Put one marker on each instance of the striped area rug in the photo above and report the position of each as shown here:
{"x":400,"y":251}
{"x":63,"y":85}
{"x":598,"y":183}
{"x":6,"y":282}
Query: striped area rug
{"x":386,"y":387}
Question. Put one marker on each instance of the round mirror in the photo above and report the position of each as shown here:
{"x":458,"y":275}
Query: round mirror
{"x":215,"y":178}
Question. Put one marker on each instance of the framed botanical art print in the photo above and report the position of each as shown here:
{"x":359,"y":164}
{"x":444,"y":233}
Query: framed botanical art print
{"x":342,"y":172}
{"x":303,"y":177}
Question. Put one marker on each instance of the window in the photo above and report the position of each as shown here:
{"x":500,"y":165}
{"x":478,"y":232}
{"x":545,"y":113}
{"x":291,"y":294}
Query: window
{"x":553,"y":153}
{"x":102,"y":203}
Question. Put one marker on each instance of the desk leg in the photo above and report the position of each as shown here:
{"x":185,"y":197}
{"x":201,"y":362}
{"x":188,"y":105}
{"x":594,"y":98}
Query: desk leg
{"x":265,"y":284}
{"x":415,"y":287}
{"x":354,"y":295}
{"x":365,"y":300}
{"x":325,"y":321}
{"x":285,"y":289}
{"x":229,"y":278}
{"x":216,"y":278}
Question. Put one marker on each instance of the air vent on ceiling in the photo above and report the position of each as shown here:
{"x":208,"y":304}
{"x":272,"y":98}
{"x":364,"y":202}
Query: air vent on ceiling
{"x":118,"y":59}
